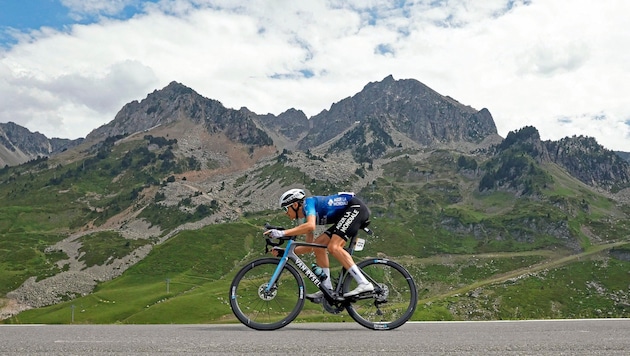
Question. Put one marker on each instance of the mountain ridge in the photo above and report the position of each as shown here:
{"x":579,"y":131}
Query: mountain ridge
{"x":290,"y":129}
{"x":425,"y":116}
{"x":174,"y":102}
{"x":19,"y":145}
{"x":176,"y":161}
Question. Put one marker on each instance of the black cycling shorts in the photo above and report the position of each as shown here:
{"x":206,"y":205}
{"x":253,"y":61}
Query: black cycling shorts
{"x":353,"y":219}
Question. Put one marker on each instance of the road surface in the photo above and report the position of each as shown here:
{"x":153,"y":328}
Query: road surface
{"x":548,"y":337}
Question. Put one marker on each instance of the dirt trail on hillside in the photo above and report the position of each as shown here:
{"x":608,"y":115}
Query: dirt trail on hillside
{"x":525,"y":271}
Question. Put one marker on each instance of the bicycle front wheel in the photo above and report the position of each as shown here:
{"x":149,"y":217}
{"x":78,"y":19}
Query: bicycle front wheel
{"x":393,"y":301}
{"x":262,"y":308}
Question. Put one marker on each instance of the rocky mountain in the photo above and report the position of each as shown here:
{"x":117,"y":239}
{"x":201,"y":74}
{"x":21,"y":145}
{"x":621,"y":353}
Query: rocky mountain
{"x":292,"y":124}
{"x":590,"y":162}
{"x":19,"y":145}
{"x":582,"y":157}
{"x":384,"y":114}
{"x":176,"y":102}
{"x":406,"y":106}
{"x":624,"y":155}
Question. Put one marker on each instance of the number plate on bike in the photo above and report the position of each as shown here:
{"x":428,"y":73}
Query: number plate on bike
{"x":359,"y":245}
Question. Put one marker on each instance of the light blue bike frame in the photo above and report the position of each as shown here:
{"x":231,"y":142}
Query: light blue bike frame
{"x":290,"y":255}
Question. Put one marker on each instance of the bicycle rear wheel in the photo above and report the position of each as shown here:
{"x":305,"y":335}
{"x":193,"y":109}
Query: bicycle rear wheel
{"x":260,"y":309}
{"x":393,"y":301}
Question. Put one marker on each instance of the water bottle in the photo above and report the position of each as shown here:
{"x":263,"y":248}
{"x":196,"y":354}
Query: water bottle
{"x":319,"y":272}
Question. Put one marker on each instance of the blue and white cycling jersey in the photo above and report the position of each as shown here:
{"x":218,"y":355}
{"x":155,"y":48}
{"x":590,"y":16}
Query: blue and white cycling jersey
{"x":327,"y":209}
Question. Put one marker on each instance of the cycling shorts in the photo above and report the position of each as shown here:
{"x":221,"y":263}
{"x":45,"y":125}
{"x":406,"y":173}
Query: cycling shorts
{"x":354,"y":218}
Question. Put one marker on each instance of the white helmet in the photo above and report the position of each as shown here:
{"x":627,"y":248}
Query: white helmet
{"x":291,"y":196}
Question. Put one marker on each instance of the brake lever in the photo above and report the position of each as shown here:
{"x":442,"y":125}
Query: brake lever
{"x":269,"y":227}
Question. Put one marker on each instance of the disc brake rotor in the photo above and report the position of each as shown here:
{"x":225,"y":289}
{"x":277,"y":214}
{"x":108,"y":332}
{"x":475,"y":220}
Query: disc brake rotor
{"x":383,"y":293}
{"x":266,"y":295}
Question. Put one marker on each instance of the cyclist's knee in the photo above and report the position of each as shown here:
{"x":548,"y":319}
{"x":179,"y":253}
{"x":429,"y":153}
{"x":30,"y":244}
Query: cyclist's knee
{"x":335,"y":248}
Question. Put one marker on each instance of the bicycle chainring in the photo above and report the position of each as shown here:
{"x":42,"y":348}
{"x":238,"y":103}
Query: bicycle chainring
{"x":332,"y":309}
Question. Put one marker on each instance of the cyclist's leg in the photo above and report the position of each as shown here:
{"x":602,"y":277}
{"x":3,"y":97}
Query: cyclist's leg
{"x":336,"y":248}
{"x":353,"y":218}
{"x":300,"y":250}
{"x":321,"y":255}
{"x":321,"y":258}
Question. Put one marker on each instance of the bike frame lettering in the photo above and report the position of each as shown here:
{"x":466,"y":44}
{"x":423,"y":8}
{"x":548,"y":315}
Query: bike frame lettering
{"x":290,"y":255}
{"x":307,"y":271}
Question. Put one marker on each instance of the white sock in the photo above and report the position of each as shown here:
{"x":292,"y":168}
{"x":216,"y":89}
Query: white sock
{"x":327,"y":282}
{"x":358,"y":276}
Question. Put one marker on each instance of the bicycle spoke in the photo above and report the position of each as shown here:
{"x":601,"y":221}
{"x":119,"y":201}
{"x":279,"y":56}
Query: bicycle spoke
{"x":393,"y":301}
{"x":260,"y":309}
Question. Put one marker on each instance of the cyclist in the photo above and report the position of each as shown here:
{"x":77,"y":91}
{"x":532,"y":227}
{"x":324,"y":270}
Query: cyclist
{"x":346,"y":212}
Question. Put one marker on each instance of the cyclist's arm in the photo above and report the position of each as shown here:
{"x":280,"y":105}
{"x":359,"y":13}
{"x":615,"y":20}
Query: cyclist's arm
{"x":306,"y":228}
{"x":310,"y":237}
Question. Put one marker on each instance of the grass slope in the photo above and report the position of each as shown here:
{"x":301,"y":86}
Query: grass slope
{"x":491,"y":254}
{"x":200,"y":265}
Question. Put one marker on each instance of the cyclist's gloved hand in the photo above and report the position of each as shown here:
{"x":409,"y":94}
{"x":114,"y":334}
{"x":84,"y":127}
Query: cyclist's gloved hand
{"x":275,"y":234}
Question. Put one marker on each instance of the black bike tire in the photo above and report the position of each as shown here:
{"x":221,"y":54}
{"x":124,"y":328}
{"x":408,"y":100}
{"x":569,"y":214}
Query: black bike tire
{"x":244,"y":317}
{"x":390,"y":324}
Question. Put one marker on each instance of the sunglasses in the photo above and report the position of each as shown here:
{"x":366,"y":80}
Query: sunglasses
{"x":285,"y":208}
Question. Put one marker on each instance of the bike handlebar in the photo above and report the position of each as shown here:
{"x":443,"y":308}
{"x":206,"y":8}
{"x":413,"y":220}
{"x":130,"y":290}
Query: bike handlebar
{"x":270,"y":227}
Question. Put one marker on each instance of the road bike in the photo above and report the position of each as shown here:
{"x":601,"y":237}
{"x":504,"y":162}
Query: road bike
{"x":268,"y":293}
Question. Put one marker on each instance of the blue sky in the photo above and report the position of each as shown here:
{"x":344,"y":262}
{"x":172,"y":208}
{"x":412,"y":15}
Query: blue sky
{"x":24,"y":15}
{"x":68,"y":66}
{"x":27,"y":15}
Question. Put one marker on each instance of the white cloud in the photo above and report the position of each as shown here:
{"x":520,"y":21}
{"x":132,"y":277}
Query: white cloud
{"x":529,"y":62}
{"x":62,"y":104}
{"x":81,"y":8}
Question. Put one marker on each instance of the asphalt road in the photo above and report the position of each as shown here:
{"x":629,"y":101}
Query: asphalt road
{"x":549,"y":337}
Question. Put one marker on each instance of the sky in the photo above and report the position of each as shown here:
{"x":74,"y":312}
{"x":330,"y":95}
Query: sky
{"x":562,"y":66}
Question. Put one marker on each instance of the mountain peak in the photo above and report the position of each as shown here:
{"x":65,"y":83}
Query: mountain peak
{"x":411,"y":108}
{"x":176,"y":102}
{"x":176,"y":87}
